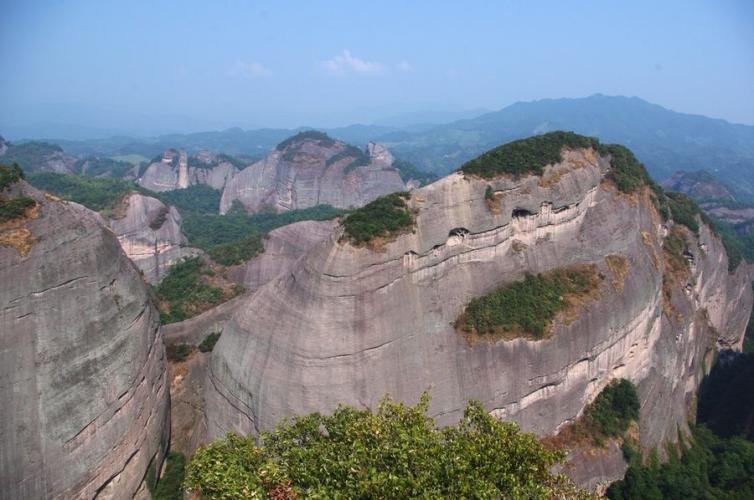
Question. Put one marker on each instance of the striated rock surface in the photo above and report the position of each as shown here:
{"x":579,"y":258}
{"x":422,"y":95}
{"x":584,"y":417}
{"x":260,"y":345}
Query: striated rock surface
{"x":282,"y":249}
{"x":150,"y":233}
{"x":35,"y":156}
{"x":309,"y":171}
{"x":349,"y":324}
{"x":82,"y":366}
{"x":176,"y":170}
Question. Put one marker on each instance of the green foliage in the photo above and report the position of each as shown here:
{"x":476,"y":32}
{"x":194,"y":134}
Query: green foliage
{"x":237,"y":236}
{"x":625,"y":170}
{"x":489,"y":194}
{"x":359,"y":158}
{"x":382,"y":217}
{"x":9,"y":175}
{"x":29,"y":155}
{"x":526,"y":156}
{"x":209,"y":342}
{"x":95,"y":167}
{"x":197,"y":199}
{"x":183,"y":291}
{"x":14,"y":208}
{"x":614,"y":409}
{"x":395,"y":452}
{"x":526,"y":307}
{"x":94,"y":193}
{"x":170,"y":486}
{"x":726,"y":396}
{"x":684,"y":211}
{"x":178,"y":352}
{"x":236,"y":162}
{"x":322,"y":139}
{"x":409,"y":171}
{"x":719,"y":463}
{"x":237,"y":251}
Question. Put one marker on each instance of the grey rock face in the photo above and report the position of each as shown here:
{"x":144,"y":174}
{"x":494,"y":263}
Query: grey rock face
{"x":174,"y":172}
{"x":82,"y":366}
{"x":282,"y":249}
{"x":307,"y":173}
{"x":348,"y":324}
{"x":150,"y":234}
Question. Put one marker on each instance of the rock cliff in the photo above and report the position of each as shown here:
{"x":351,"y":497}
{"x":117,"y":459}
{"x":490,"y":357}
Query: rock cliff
{"x":150,"y":233}
{"x":348,"y":324}
{"x":176,"y":170}
{"x":312,"y":169}
{"x":82,"y":366}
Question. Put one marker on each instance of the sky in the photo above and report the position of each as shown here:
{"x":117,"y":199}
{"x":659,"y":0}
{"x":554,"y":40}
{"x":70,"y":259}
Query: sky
{"x":145,"y":67}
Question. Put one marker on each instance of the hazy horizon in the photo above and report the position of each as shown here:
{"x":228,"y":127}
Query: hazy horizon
{"x":142,"y":68}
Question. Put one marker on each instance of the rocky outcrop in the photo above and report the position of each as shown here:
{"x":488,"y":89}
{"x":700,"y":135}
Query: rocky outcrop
{"x":36,"y":156}
{"x":176,"y":170}
{"x":282,"y":248}
{"x":150,"y":233}
{"x":305,"y":172}
{"x":82,"y":366}
{"x":349,"y":324}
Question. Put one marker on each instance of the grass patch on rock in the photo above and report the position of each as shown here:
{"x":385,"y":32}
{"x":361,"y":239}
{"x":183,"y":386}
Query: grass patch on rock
{"x":383,"y":217}
{"x":529,"y":307}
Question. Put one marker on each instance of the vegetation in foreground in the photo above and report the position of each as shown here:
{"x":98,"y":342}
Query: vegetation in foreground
{"x":718,"y":461}
{"x":16,"y":207}
{"x":394,"y":452}
{"x":382,"y":217}
{"x":170,"y":485}
{"x":185,"y":292}
{"x":528,"y":307}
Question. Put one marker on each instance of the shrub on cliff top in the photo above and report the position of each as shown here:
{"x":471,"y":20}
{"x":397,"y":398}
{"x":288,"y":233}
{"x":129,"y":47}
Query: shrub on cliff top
{"x":527,"y":308}
{"x":526,"y":156}
{"x":10,"y":174}
{"x":394,"y":452}
{"x":322,"y":139}
{"x":382,"y":217}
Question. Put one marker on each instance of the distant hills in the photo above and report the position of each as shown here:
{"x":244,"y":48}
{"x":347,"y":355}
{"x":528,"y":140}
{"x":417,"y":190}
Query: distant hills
{"x":666,"y":141}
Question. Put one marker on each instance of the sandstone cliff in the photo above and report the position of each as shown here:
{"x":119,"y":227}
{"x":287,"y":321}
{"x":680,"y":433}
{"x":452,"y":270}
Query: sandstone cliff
{"x":176,"y":170}
{"x":348,"y":324}
{"x":308,"y":170}
{"x":82,"y":368}
{"x":150,"y":234}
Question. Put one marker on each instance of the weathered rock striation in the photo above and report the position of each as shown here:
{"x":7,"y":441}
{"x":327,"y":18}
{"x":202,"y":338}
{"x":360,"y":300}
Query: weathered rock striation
{"x":150,"y":233}
{"x":282,"y":249}
{"x":176,"y":170}
{"x":349,"y":324}
{"x":82,"y":366}
{"x":309,"y":171}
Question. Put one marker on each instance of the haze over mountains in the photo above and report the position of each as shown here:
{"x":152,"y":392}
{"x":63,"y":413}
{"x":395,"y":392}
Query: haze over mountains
{"x":666,"y":141}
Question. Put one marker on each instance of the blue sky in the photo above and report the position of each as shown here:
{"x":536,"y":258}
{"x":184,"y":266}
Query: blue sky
{"x":148,"y":66}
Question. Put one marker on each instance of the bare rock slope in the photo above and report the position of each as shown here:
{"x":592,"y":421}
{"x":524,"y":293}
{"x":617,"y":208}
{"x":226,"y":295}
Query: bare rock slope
{"x":82,"y":368}
{"x":349,"y":324}
{"x":176,"y":170}
{"x":150,"y":233}
{"x":312,"y":169}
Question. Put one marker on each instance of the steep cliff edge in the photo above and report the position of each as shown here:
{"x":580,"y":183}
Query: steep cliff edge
{"x":176,"y":170}
{"x":150,"y":233}
{"x":82,"y":368}
{"x":351,"y":323}
{"x":311,"y":169}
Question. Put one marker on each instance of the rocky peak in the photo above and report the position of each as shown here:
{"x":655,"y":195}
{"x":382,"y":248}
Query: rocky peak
{"x":3,"y":145}
{"x":380,"y":319}
{"x":84,"y":391}
{"x":176,"y":170}
{"x":311,"y":168}
{"x":379,"y":154}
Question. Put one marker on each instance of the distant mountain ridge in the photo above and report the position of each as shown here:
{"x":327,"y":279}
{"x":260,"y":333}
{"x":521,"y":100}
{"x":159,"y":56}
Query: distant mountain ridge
{"x":666,"y":141}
